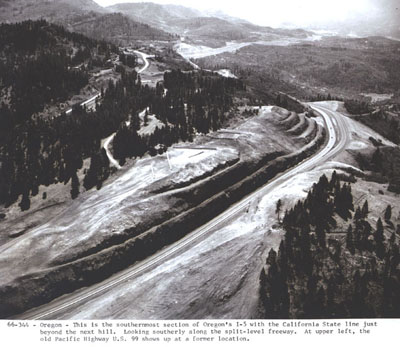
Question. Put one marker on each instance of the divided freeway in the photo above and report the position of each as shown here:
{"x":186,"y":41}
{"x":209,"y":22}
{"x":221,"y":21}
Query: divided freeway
{"x":338,"y":139}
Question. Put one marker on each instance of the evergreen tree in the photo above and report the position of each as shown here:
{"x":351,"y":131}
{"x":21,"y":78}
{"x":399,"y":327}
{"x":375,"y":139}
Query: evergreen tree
{"x":334,"y":180}
{"x":321,"y":236}
{"x":262,"y":292}
{"x":365,"y":210}
{"x":360,"y":292}
{"x":350,"y":240}
{"x":74,"y":186}
{"x":25,"y":203}
{"x":377,"y":160}
{"x":278,"y":209}
{"x":358,"y":214}
{"x":388,"y":213}
{"x":379,"y":239}
{"x":318,"y":282}
{"x":271,"y":259}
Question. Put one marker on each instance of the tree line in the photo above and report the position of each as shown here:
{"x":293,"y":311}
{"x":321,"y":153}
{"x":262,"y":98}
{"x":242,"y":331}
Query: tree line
{"x":186,"y":103}
{"x":38,"y":151}
{"x":323,"y":270}
{"x":37,"y":69}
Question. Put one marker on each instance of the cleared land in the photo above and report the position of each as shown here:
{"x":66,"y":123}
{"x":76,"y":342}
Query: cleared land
{"x":146,"y":194}
{"x":218,"y":278}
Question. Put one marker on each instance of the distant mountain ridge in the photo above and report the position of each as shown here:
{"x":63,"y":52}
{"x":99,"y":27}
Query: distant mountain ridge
{"x":208,"y":28}
{"x":19,"y":10}
{"x":83,"y":16}
{"x":127,"y":22}
{"x":384,"y":21}
{"x":118,"y":28}
{"x":160,"y":16}
{"x":174,"y":18}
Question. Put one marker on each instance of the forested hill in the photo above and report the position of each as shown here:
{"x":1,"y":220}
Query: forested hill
{"x":333,"y":263}
{"x":116,"y":28}
{"x":41,"y":63}
{"x":82,"y":16}
{"x":37,"y":66}
{"x":53,"y":10}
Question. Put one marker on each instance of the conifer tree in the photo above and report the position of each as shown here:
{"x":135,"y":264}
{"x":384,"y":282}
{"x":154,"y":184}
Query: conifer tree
{"x":379,"y":239}
{"x":278,"y":209}
{"x":388,"y":213}
{"x":321,"y":236}
{"x":262,"y":288}
{"x":74,"y":186}
{"x":25,"y":203}
{"x":350,"y":240}
{"x":333,"y":180}
{"x":358,"y":214}
{"x":365,"y":210}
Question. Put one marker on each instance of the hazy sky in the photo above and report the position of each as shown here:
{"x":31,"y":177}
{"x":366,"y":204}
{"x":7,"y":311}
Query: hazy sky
{"x":278,"y":12}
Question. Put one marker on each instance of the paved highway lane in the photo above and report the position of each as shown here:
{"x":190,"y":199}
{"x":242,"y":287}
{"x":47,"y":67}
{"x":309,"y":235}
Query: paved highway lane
{"x":70,"y":304}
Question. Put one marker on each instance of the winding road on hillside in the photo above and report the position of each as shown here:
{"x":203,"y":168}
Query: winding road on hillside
{"x":145,"y":57}
{"x":92,"y":101}
{"x":69,"y":306}
{"x":88,"y":103}
{"x":106,"y":145}
{"x":109,"y":139}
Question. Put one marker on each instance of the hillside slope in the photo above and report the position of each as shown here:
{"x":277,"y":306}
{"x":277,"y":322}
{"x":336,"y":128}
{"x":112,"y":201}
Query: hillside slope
{"x":161,"y":16}
{"x":52,"y":10}
{"x":116,"y":28}
{"x":83,"y":16}
{"x":211,"y":28}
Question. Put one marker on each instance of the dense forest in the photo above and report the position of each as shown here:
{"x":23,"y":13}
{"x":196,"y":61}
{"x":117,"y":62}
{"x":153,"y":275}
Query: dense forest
{"x":36,"y":67}
{"x":332,"y":262}
{"x":383,"y":122}
{"x":116,"y":28}
{"x":357,"y":106}
{"x":384,"y":161}
{"x":37,"y":63}
{"x":38,"y":151}
{"x":383,"y":164}
{"x":193,"y":102}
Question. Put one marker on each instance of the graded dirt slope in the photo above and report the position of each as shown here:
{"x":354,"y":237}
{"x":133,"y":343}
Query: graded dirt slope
{"x":144,"y":195}
{"x":218,"y":278}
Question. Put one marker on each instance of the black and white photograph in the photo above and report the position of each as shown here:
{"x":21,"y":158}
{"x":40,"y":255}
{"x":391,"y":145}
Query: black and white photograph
{"x":199,"y":160}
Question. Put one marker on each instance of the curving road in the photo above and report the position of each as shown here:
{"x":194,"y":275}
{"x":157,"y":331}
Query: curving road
{"x":109,"y":139}
{"x":145,"y":57}
{"x":68,"y":304}
{"x":89,"y":103}
{"x":111,"y":158}
{"x":92,"y":101}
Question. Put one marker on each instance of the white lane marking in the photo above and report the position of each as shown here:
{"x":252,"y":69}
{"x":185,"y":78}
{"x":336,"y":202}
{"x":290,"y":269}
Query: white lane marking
{"x":205,"y":228}
{"x":130,"y":272}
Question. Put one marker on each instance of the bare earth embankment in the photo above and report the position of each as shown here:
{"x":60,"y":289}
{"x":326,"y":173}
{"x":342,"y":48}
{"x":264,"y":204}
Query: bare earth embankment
{"x":151,"y":204}
{"x":218,"y":278}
